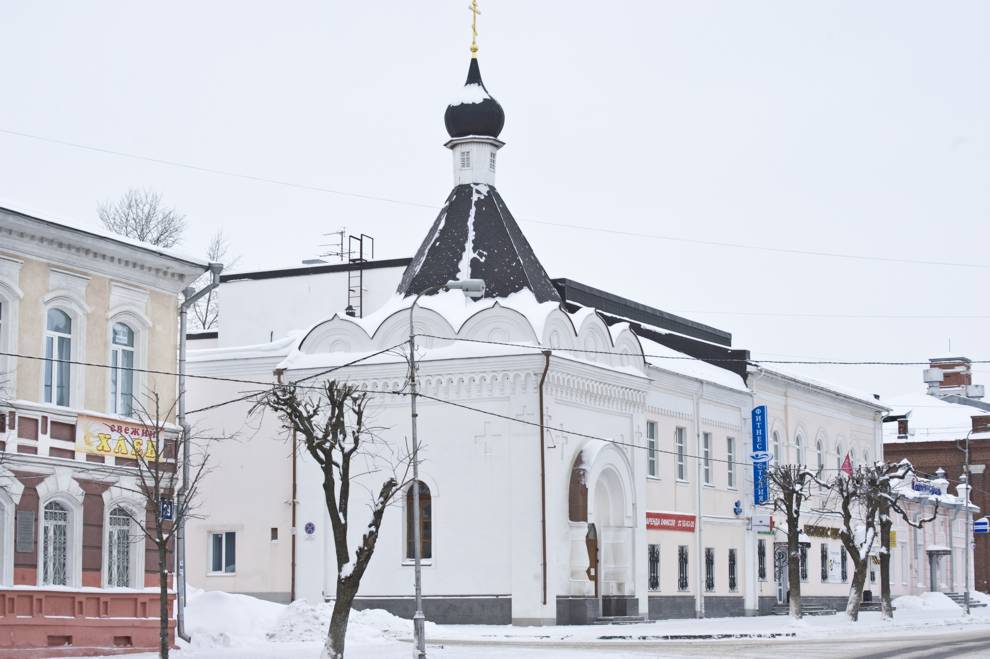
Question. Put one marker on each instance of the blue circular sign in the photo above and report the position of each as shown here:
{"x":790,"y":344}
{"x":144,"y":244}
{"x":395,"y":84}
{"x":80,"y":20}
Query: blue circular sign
{"x":310,"y":528}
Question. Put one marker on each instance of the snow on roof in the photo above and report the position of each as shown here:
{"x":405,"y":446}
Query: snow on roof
{"x":842,"y":390}
{"x":277,"y":348}
{"x":930,"y":418}
{"x":678,"y":362}
{"x":469,"y":95}
{"x":47,"y":217}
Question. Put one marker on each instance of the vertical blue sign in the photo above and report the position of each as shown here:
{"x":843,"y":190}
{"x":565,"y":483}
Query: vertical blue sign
{"x":761,"y":487}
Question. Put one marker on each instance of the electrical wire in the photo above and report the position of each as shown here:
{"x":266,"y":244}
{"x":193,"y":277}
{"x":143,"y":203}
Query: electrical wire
{"x":403,"y":202}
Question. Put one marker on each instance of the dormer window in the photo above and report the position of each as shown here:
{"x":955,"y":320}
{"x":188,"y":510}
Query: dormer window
{"x":491,"y":161}
{"x":465,"y":160}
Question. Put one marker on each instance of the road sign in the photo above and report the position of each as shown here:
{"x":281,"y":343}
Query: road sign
{"x":981,"y":525}
{"x":166,"y":509}
{"x":760,"y":457}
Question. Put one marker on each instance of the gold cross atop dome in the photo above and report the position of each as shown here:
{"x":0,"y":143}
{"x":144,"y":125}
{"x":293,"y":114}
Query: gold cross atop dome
{"x":474,"y":27}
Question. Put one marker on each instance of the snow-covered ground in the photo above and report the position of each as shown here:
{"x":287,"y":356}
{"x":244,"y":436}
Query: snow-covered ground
{"x":225,"y":626}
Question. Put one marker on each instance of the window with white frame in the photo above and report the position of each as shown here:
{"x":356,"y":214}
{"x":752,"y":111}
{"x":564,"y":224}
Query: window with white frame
{"x":491,"y":161}
{"x":730,"y":450}
{"x":838,"y":456}
{"x":776,"y":447}
{"x":465,"y":160}
{"x":651,"y":448}
{"x":55,"y":545}
{"x":820,"y":455}
{"x":799,"y":449}
{"x":852,"y":455}
{"x":732,"y":570}
{"x":682,"y":567}
{"x":119,"y":541}
{"x":223,"y":552}
{"x":761,"y":560}
{"x":804,"y":563}
{"x":122,"y":369}
{"x":866,"y":458}
{"x":709,"y":569}
{"x":680,"y":437}
{"x":706,"y":455}
{"x":58,"y":353}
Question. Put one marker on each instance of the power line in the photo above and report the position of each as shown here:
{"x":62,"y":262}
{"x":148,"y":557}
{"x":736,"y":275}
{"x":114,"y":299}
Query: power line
{"x":403,"y":202}
{"x":810,"y":362}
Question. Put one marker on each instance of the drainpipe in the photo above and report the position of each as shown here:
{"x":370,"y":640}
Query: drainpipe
{"x":191,"y":296}
{"x":543,"y":475}
{"x":699,"y":597}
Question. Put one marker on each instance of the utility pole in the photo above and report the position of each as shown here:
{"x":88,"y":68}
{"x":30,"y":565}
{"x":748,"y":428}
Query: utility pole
{"x":968,"y":535}
{"x":190,"y":297}
{"x":473,"y":288}
{"x":700,"y":522}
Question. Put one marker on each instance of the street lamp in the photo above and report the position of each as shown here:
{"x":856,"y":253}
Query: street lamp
{"x":472,"y":288}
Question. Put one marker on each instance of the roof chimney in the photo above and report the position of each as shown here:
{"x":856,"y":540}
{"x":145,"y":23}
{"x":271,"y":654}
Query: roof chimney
{"x":951,"y":376}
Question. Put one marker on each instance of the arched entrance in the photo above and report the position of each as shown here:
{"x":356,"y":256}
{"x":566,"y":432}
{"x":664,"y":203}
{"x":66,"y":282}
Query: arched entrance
{"x":602,"y":515}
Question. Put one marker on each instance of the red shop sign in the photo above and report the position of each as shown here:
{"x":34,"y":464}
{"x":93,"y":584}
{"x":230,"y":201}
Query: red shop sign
{"x":670,"y":522}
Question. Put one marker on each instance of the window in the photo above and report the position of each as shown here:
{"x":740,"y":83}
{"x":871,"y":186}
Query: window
{"x":55,"y":545}
{"x":776,"y":447}
{"x":852,"y":456}
{"x":491,"y":161}
{"x":709,"y":569}
{"x":465,"y":160}
{"x":838,"y":457}
{"x":873,"y":570}
{"x":653,"y":554}
{"x":866,"y":458}
{"x":651,"y":448}
{"x":58,"y":352}
{"x":820,"y":455}
{"x":842,"y":564}
{"x":679,"y":438}
{"x":682,"y":567}
{"x":730,"y":451}
{"x":119,"y":548}
{"x":799,"y":449}
{"x":706,"y":452}
{"x":804,"y":563}
{"x":223,"y":552}
{"x":425,"y":523}
{"x":122,"y":370}
{"x":824,"y":557}
{"x":732,"y":569}
{"x":761,"y":559}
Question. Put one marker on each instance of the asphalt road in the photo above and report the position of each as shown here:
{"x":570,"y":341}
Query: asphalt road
{"x":955,"y":644}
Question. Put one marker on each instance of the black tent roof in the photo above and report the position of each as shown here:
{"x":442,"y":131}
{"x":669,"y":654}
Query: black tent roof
{"x":475,"y":236}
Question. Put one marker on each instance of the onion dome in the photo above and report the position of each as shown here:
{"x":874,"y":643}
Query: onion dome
{"x":474,"y":111}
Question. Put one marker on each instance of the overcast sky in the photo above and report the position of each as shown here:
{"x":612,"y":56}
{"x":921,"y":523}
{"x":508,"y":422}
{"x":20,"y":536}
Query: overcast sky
{"x":849,"y":127}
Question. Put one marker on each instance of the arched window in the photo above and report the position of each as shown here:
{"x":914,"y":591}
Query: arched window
{"x":55,"y":545}
{"x":866,"y":458}
{"x":776,"y":447}
{"x":119,"y":548}
{"x":799,"y":448}
{"x":852,"y":455}
{"x":58,"y":352}
{"x":820,"y":451}
{"x":425,"y":522}
{"x":838,"y":457}
{"x":122,"y":370}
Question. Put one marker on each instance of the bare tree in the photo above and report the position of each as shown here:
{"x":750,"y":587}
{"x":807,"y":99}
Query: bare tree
{"x":157,"y":458}
{"x":890,"y":497}
{"x":791,"y":487}
{"x":206,"y":312}
{"x":859,"y":531}
{"x":331,"y":424}
{"x":139,"y":214}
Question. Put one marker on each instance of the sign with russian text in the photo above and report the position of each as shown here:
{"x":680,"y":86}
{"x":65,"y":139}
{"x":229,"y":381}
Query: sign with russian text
{"x":761,"y":484}
{"x":122,"y":439}
{"x":670,"y":522}
{"x":923,"y":485}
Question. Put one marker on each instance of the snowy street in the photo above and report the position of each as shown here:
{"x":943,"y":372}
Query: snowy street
{"x":228,"y":626}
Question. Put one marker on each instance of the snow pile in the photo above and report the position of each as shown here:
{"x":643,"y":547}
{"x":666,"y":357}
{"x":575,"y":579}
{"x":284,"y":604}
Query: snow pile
{"x":469,"y":95}
{"x":302,"y":622}
{"x":925,"y":602}
{"x":218,"y":619}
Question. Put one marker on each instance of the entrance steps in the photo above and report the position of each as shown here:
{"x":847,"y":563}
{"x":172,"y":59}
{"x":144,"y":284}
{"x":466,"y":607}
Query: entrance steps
{"x":620,"y":620}
{"x":959,"y":598}
{"x":806,"y":610}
